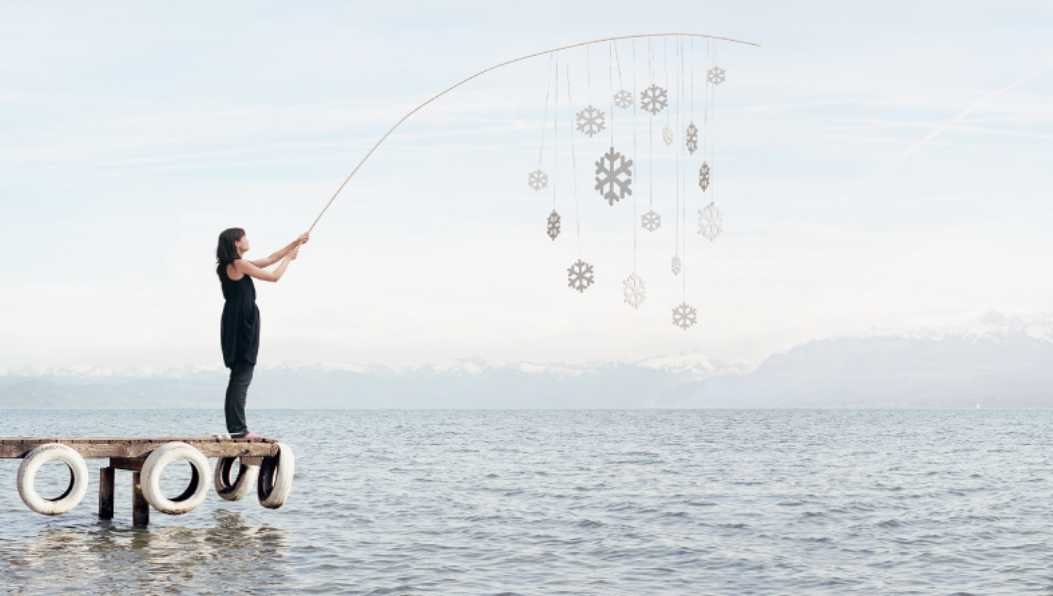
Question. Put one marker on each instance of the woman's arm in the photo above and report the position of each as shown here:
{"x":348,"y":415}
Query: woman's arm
{"x":249,"y":268}
{"x":274,"y":258}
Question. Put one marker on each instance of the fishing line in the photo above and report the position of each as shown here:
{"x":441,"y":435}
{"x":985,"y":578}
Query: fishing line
{"x":544,"y":117}
{"x":634,"y":153}
{"x":555,"y":134}
{"x":573,"y":156}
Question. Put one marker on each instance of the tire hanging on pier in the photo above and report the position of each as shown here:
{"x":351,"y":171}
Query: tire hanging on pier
{"x":237,"y":489}
{"x":194,"y":494}
{"x":78,"y":479}
{"x":276,"y":476}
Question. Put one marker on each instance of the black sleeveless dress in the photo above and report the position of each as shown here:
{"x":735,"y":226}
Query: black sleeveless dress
{"x":239,"y":330}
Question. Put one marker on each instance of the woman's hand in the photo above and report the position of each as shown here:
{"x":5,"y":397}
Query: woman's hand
{"x":304,"y":238}
{"x":294,"y":253}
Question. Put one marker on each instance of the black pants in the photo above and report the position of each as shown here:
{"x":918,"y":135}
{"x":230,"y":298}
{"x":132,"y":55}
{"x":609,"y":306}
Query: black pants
{"x":237,"y":390}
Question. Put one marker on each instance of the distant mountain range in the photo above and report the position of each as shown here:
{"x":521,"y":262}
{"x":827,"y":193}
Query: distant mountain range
{"x":994,"y":362}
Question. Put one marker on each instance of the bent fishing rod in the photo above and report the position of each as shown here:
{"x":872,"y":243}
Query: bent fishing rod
{"x":482,"y":72}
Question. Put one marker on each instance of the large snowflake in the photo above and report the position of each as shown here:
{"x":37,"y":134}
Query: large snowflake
{"x":685,"y":316}
{"x":651,"y":221}
{"x":617,"y":176}
{"x":653,"y":99}
{"x":703,"y":176}
{"x":715,"y":75}
{"x":634,"y":290}
{"x":553,"y":224}
{"x":676,"y":264}
{"x":692,"y":138}
{"x":623,"y":99}
{"x":590,"y":121}
{"x":537,"y":180}
{"x":579,"y":276}
{"x":667,"y":135}
{"x":710,"y":222}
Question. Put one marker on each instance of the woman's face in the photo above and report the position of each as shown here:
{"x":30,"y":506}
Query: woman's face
{"x":242,"y":245}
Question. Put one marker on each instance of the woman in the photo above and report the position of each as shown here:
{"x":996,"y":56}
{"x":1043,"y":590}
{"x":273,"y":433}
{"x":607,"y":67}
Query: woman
{"x":239,"y":330}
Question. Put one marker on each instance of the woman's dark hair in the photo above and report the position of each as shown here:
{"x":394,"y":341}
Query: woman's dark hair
{"x":226,"y":252}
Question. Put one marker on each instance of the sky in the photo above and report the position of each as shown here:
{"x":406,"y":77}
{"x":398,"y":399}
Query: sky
{"x":876,"y":165}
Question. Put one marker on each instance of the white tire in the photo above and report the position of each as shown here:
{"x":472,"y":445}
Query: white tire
{"x":238,"y":489}
{"x":151,"y":478}
{"x":276,"y":476}
{"x":78,"y":480}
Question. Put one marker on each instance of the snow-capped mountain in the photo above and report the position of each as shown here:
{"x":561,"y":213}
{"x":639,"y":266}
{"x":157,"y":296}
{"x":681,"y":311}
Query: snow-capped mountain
{"x":994,"y":361}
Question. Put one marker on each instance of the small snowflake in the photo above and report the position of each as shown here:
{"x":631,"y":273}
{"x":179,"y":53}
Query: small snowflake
{"x":651,"y":221}
{"x":634,"y":290}
{"x":715,"y":75}
{"x":579,"y":276}
{"x":537,"y":180}
{"x":676,"y":264}
{"x":617,"y":172}
{"x":590,"y":121}
{"x":703,"y":176}
{"x":710,"y":222}
{"x":623,"y":99}
{"x":684,"y":316}
{"x":553,"y":225}
{"x":667,"y":135}
{"x":653,"y":99}
{"x":692,"y":138}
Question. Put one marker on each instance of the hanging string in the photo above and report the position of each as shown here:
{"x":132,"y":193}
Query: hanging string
{"x":573,"y":157}
{"x":665,"y":59}
{"x":713,"y":141}
{"x":679,"y":94}
{"x":610,"y":82}
{"x":650,"y":131}
{"x":635,"y":167}
{"x":555,"y":133}
{"x":588,"y":72}
{"x":544,"y":117}
{"x":679,"y":99}
{"x":619,"y":61}
{"x":683,"y":180}
{"x":705,"y":117}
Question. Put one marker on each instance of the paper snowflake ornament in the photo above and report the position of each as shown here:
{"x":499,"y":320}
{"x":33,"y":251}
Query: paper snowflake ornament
{"x":651,"y":221}
{"x":703,"y":176}
{"x":685,"y":316}
{"x":654,"y":99}
{"x":676,"y":264}
{"x":710,"y":222}
{"x":553,"y":225}
{"x":634,"y":290}
{"x":692,"y":138}
{"x":623,"y":99}
{"x":579,"y":276}
{"x":614,"y":176}
{"x":590,"y":121}
{"x":537,"y":180}
{"x":715,"y":75}
{"x":667,"y":135}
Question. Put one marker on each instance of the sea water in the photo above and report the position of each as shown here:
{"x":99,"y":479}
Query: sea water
{"x":568,"y":502}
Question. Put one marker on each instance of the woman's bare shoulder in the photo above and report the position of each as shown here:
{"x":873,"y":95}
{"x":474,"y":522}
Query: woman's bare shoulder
{"x":233,"y":272}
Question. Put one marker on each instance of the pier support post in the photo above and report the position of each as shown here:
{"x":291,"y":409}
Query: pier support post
{"x":106,"y":493}
{"x":140,"y":508}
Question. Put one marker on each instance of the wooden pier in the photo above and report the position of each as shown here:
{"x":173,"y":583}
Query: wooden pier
{"x":131,"y":454}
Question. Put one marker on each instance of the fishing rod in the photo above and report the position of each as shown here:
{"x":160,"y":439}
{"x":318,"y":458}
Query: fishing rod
{"x":482,"y":72}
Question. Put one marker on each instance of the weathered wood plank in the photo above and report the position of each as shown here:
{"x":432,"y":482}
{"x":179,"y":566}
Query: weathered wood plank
{"x":134,"y":464}
{"x":140,"y":508}
{"x":106,"y":493}
{"x":126,"y":447}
